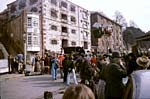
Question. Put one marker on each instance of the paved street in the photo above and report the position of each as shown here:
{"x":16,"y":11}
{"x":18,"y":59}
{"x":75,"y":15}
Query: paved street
{"x":18,"y":86}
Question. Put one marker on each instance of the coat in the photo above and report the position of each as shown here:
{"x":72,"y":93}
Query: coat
{"x":114,"y":85}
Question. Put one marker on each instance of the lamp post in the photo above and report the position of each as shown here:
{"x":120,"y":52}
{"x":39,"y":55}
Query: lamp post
{"x":25,"y":48}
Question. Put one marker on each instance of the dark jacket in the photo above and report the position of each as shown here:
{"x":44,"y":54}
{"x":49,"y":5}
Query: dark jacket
{"x":86,"y":70}
{"x":114,"y":86}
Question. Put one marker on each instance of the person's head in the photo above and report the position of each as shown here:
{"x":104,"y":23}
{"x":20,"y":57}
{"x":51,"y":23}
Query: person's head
{"x":78,"y":92}
{"x":143,"y":62}
{"x":116,"y":57}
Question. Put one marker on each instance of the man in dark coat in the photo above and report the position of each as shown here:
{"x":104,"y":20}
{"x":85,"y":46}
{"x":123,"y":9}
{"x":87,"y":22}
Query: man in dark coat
{"x":115,"y":72}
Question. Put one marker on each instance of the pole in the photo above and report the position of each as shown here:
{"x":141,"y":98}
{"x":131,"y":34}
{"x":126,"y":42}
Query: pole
{"x":25,"y":50}
{"x":42,"y":40}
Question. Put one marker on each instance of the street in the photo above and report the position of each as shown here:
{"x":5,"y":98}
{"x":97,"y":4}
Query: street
{"x":18,"y":86}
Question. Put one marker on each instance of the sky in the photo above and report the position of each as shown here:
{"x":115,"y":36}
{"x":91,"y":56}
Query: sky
{"x":135,"y":10}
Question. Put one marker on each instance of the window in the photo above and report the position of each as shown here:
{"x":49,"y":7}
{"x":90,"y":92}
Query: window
{"x":54,"y":13}
{"x":54,"y":2}
{"x":85,"y":15}
{"x":35,"y":40}
{"x":29,"y":39}
{"x":73,"y":31}
{"x":73,"y":19}
{"x":85,"y":45}
{"x":64,"y":16}
{"x":85,"y":24}
{"x":33,"y":2}
{"x":35,"y":22}
{"x":63,"y":4}
{"x":53,"y":27}
{"x":29,"y":21}
{"x":34,"y":9}
{"x":72,"y":8}
{"x":35,"y":31}
{"x":73,"y":43}
{"x":64,"y":29}
{"x":85,"y":34}
{"x":54,"y":42}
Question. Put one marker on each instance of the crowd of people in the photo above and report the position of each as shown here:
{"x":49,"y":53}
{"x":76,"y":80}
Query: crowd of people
{"x":16,"y":63}
{"x":100,"y":75}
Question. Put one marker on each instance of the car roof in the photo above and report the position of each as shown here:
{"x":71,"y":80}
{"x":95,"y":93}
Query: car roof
{"x":141,"y":84}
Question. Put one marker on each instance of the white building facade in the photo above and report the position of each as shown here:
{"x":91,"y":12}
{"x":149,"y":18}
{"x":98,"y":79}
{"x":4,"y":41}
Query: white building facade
{"x":65,"y":24}
{"x":33,"y":32}
{"x":53,"y":24}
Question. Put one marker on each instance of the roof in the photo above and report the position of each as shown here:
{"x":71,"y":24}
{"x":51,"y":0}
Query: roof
{"x":98,"y":13}
{"x":145,"y":37}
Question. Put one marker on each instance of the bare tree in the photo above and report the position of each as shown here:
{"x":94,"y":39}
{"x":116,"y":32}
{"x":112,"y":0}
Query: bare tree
{"x":119,"y":18}
{"x":133,"y":24}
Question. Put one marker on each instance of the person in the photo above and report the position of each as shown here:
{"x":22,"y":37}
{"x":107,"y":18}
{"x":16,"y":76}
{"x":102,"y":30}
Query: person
{"x":10,"y":64}
{"x":54,"y":68}
{"x":20,"y":62}
{"x":71,"y":70}
{"x":46,"y":67}
{"x":131,"y":64}
{"x":37,"y":67}
{"x":65,"y":67}
{"x":79,"y":91}
{"x":115,"y":73}
{"x":86,"y":71}
{"x":93,"y":60}
{"x":143,"y":62}
{"x":60,"y":59}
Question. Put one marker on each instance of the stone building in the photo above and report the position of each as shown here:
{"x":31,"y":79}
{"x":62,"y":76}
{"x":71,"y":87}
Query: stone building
{"x":106,"y":34}
{"x":49,"y":25}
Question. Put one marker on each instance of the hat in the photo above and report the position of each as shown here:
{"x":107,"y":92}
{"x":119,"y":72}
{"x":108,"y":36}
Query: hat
{"x":116,"y":55}
{"x":143,"y":61}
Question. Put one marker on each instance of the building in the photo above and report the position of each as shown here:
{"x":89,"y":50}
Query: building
{"x":50,"y":25}
{"x":61,"y":23}
{"x":143,"y":43}
{"x":105,"y":33}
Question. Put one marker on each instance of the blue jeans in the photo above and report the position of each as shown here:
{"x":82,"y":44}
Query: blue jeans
{"x":53,"y":72}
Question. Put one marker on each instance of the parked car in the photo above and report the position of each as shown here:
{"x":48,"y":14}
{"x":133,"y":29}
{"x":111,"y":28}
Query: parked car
{"x":138,"y":85}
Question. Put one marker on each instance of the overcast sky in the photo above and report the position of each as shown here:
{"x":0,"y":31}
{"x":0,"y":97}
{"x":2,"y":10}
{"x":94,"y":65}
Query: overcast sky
{"x":136,"y":10}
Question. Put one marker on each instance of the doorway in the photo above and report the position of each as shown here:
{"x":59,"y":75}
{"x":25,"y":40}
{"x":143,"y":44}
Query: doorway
{"x":64,"y":43}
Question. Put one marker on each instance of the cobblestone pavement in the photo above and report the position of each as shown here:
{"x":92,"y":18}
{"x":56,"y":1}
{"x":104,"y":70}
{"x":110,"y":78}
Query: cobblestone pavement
{"x":18,"y":86}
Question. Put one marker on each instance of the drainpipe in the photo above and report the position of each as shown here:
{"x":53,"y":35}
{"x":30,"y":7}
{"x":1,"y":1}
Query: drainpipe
{"x":41,"y":15}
